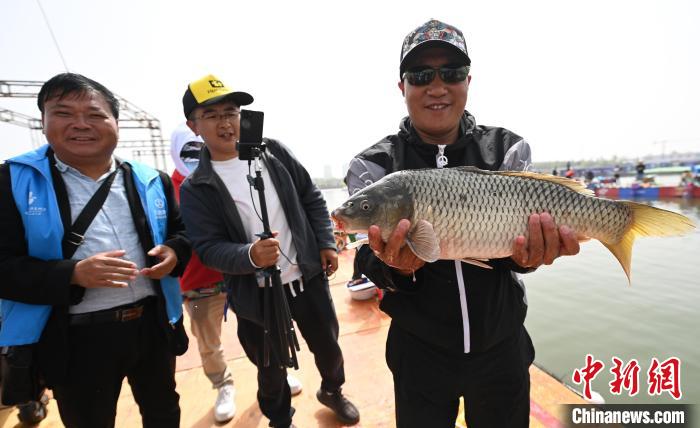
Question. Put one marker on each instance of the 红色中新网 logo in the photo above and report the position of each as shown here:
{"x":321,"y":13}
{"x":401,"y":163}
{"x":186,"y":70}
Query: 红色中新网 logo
{"x":662,"y":376}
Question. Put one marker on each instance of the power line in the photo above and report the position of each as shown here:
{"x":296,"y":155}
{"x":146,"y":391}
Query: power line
{"x":55,"y":42}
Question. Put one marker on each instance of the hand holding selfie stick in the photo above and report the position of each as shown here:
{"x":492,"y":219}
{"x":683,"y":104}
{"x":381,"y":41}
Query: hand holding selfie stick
{"x":275,"y":306}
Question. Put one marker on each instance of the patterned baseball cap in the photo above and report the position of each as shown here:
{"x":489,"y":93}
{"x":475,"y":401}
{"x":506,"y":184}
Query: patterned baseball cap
{"x":433,"y":32}
{"x":210,"y":90}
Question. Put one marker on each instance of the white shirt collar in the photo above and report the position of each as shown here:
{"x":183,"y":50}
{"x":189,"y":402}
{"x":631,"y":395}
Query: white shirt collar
{"x":63,"y":168}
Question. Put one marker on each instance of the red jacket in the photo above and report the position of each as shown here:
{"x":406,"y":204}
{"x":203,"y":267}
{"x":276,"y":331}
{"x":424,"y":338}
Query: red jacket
{"x":196,"y":275}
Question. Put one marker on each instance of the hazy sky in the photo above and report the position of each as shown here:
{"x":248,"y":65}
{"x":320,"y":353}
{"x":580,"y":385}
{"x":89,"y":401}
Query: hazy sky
{"x":578,"y":80}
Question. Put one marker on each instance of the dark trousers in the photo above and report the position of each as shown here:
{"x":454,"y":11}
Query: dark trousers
{"x":101,"y":356}
{"x":315,"y":317}
{"x":428,"y":382}
{"x":356,"y":270}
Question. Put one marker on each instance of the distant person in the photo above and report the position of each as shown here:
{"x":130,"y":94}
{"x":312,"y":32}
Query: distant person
{"x":570,"y":173}
{"x":589,"y":176}
{"x":204,"y":292}
{"x":456,"y":329}
{"x":686,"y":178}
{"x":555,"y":172}
{"x":616,"y":174}
{"x":102,"y":300}
{"x":640,"y":170}
{"x":222,"y":220}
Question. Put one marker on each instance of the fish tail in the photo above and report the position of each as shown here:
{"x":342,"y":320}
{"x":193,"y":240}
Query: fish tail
{"x":647,"y":221}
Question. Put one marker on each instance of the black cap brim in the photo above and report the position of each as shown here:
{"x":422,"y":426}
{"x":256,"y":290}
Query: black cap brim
{"x":238,"y":98}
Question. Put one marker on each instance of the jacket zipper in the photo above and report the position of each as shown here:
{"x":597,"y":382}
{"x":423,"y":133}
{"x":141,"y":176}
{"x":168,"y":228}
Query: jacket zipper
{"x":442,"y":161}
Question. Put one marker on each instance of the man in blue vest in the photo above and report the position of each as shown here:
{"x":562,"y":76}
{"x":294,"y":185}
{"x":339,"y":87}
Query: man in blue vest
{"x":112,"y":309}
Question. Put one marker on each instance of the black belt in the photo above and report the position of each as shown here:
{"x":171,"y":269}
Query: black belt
{"x":120,"y":314}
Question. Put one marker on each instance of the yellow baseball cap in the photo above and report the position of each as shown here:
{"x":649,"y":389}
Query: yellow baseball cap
{"x":210,"y":90}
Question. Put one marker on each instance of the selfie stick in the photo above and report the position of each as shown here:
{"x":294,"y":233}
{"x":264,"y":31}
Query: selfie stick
{"x":274,"y":298}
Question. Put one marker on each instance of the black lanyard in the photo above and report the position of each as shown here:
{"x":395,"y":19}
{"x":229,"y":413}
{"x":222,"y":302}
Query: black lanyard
{"x":73,"y":238}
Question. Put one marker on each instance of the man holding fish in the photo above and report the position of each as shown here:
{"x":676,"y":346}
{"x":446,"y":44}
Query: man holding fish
{"x":457,"y":328}
{"x":452,"y":219}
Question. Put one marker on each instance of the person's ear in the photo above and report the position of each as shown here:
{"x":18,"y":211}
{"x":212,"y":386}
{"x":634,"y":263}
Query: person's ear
{"x":403,"y":88}
{"x":193,"y":126}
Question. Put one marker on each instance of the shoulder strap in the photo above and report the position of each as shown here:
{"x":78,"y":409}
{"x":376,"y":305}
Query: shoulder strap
{"x":60,"y":188}
{"x":75,"y":237}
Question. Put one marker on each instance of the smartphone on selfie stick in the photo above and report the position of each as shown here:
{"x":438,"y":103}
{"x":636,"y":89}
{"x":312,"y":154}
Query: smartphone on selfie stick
{"x":275,"y":306}
{"x":251,"y":144}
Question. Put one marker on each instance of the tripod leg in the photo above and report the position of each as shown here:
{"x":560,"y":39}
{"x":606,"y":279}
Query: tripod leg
{"x":282,"y":326}
{"x":292,"y":340}
{"x":266,"y":322}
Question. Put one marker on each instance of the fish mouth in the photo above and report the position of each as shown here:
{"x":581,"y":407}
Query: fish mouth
{"x":338,"y":222}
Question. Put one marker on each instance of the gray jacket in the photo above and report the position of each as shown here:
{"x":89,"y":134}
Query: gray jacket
{"x":214,"y":225}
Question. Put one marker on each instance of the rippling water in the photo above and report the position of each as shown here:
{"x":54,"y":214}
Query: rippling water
{"x":583,"y":305}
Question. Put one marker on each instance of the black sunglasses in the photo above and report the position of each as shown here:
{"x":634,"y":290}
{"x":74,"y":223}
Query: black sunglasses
{"x":424,"y":75}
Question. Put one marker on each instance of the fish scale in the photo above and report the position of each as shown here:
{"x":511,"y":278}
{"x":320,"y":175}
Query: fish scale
{"x":466,"y":213}
{"x":477,"y":214}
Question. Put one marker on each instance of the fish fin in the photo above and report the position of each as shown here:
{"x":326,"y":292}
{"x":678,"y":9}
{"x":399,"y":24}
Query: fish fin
{"x":357,"y":243}
{"x":478,"y":262}
{"x":623,"y":253}
{"x":652,"y":221}
{"x":647,"y":221}
{"x":424,"y":242}
{"x":574,"y":185}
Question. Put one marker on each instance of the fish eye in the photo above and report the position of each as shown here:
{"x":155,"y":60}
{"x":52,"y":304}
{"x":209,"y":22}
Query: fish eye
{"x":365,"y":205}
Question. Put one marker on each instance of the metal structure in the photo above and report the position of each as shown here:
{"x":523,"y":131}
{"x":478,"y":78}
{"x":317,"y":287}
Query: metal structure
{"x":151,"y":149}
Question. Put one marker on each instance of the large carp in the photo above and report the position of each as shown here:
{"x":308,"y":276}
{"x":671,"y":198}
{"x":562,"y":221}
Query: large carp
{"x":469,"y":214}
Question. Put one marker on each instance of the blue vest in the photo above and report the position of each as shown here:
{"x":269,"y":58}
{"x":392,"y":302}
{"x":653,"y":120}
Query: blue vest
{"x":33,"y":191}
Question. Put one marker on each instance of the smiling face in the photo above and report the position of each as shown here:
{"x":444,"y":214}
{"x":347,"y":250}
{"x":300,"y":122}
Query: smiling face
{"x":81,"y":128}
{"x":219,"y":125}
{"x":435,"y":109}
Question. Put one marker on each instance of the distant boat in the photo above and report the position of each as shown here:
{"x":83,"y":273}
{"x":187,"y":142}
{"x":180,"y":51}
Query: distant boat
{"x":668,"y":170}
{"x":691,"y":190}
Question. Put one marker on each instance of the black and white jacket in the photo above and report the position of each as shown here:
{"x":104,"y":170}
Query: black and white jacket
{"x":451,"y":304}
